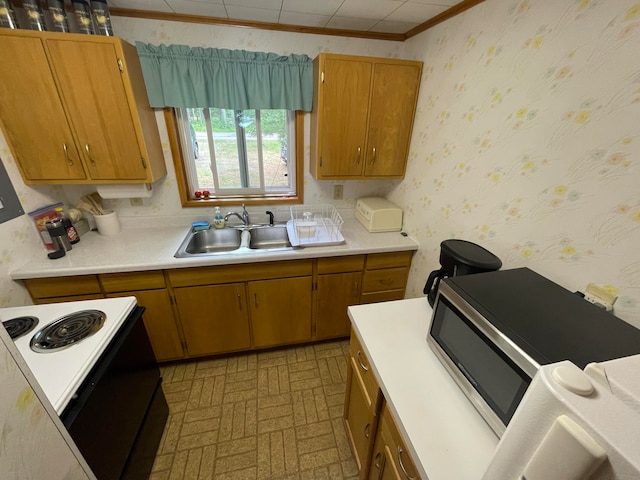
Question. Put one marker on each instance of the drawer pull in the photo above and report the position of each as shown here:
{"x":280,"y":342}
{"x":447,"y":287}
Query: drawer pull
{"x":387,"y":281}
{"x":404,"y":470}
{"x":66,"y":154}
{"x":367,"y":430}
{"x":86,"y":147}
{"x":362,"y":365}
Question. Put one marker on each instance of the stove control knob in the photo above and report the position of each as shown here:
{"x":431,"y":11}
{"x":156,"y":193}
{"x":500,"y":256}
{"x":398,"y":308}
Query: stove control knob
{"x":573,"y":379}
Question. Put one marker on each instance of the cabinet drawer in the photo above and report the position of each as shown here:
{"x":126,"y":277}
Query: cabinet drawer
{"x":398,"y":453}
{"x":389,"y":260}
{"x":362,"y":368}
{"x":73,"y":298}
{"x":386,"y":296}
{"x":125,"y":282}
{"x":186,"y":277}
{"x":351,"y":263}
{"x":386,"y":279}
{"x":63,"y":286}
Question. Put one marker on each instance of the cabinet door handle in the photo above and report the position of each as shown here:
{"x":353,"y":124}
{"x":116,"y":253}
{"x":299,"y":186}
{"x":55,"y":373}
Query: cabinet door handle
{"x":239,"y":303}
{"x":356,"y":289}
{"x":359,"y":155}
{"x":373,"y":158}
{"x":66,"y":155}
{"x":362,"y":365}
{"x":255,"y":299}
{"x":404,"y":470}
{"x":376,"y":462}
{"x":367,"y":430}
{"x":86,"y":147}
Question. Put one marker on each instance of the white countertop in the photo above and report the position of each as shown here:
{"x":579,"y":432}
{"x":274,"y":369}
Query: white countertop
{"x":447,"y":437}
{"x":153,"y":247}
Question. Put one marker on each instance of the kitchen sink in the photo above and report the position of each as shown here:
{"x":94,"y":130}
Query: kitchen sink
{"x":232,"y":240}
{"x":269,"y":237}
{"x":211,"y":241}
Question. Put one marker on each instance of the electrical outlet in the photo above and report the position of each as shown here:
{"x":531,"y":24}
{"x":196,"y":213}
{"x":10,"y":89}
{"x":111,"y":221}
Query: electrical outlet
{"x":600,"y":297}
{"x":337,"y":192}
{"x":135,"y":202}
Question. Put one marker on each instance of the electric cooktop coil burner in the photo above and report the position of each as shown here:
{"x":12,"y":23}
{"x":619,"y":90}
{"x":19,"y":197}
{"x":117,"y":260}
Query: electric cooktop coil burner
{"x":68,"y":330}
{"x":16,"y":327}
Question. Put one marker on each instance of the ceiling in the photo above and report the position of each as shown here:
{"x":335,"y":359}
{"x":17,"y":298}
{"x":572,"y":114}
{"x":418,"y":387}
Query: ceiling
{"x":391,"y":19}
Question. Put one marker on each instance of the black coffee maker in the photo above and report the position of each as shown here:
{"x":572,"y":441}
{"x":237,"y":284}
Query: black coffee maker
{"x":459,"y":257}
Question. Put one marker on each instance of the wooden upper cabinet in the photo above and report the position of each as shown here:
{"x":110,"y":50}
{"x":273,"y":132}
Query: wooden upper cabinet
{"x":393,"y":98}
{"x":362,"y":116}
{"x":32,"y":115}
{"x":77,"y":110}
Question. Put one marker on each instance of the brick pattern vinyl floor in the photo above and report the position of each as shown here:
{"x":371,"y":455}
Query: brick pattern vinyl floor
{"x":266,"y":415}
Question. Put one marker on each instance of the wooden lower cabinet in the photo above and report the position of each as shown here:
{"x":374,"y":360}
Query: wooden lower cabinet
{"x":375,"y":440}
{"x":336,"y":291}
{"x":390,"y":459}
{"x":362,"y":405}
{"x":280,"y":311}
{"x":159,"y":321}
{"x":214,"y":318}
{"x":201,"y":311}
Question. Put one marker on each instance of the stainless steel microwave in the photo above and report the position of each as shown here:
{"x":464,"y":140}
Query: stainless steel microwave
{"x":492,"y":332}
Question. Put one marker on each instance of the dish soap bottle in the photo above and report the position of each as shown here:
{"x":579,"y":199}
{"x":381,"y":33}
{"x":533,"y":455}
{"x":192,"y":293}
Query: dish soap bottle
{"x":218,"y":218}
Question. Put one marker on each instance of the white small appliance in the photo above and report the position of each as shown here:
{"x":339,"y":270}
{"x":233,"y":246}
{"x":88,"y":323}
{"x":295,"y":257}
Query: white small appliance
{"x":378,"y":214}
{"x":574,"y":425}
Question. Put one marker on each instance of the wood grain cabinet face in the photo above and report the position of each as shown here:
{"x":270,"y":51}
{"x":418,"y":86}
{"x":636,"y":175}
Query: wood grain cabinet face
{"x":280,"y":311}
{"x":363,"y":115}
{"x":214,"y":318}
{"x":159,"y":322}
{"x":363,"y":399}
{"x":390,"y":458}
{"x":82,"y":98}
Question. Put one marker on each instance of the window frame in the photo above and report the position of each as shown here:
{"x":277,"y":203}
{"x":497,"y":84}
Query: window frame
{"x":177,"y":152}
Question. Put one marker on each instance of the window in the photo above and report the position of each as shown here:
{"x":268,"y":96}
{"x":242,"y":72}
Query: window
{"x":238,"y":155}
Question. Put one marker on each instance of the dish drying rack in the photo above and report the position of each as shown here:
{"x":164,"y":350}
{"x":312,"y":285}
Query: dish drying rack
{"x":314,"y":225}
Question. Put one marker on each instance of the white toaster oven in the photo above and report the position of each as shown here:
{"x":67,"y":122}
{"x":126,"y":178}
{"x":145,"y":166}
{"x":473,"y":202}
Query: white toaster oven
{"x":378,"y":214}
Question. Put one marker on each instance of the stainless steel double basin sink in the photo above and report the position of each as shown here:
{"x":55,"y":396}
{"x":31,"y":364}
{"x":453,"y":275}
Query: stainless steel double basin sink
{"x":234,"y":240}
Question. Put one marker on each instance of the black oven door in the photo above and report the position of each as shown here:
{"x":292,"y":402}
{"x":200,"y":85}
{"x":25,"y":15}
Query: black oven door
{"x":120,"y":408}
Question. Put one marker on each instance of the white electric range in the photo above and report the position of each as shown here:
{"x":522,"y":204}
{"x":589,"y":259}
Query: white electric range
{"x":60,"y":372}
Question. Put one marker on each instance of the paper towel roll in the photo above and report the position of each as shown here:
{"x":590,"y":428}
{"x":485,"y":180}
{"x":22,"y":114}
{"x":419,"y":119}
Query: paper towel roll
{"x":134,"y":190}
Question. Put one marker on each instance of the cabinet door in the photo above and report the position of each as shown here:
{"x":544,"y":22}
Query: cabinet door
{"x":359,"y":419}
{"x":334,"y":294}
{"x":159,"y":321}
{"x":393,"y":99}
{"x":214,"y":318}
{"x":344,"y":104}
{"x":280,"y":311}
{"x":92,"y":88}
{"x":32,"y":114}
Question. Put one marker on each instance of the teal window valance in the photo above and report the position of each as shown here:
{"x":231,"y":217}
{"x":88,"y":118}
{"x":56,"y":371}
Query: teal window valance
{"x":192,"y":77}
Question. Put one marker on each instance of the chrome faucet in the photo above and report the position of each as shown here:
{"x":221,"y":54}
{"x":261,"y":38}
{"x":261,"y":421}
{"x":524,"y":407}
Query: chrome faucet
{"x":244,"y":217}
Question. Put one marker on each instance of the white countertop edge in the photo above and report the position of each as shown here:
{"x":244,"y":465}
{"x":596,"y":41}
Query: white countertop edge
{"x":444,"y":434}
{"x":152,"y":248}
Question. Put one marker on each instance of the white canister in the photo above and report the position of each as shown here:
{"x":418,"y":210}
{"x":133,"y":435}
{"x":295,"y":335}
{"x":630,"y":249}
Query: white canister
{"x":107,"y":224}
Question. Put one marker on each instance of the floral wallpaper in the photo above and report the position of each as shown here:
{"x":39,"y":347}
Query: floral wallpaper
{"x":32,"y":446}
{"x":526,"y":141}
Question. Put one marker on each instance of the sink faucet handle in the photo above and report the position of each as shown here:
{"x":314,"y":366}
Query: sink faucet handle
{"x":270,"y":217}
{"x":245,"y":216}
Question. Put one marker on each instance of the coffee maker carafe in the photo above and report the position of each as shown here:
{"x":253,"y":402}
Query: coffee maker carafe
{"x":459,"y":257}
